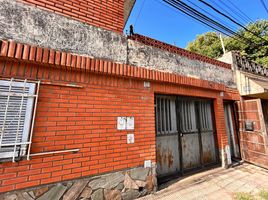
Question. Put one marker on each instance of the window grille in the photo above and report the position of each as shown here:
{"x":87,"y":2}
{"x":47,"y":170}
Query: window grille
{"x":187,"y":116}
{"x":18,"y":100}
{"x":165,"y":115}
{"x":205,"y":116}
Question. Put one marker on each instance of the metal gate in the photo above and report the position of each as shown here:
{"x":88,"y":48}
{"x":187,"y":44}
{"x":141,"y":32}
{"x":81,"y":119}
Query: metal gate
{"x":253,"y":120}
{"x":185,"y":135}
{"x":168,"y":159}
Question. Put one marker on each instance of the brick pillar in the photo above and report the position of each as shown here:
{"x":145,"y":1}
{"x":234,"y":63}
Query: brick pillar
{"x":222,"y":137}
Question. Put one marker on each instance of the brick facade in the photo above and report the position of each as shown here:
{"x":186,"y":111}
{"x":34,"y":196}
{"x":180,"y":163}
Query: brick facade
{"x":80,"y":100}
{"x":105,"y":14}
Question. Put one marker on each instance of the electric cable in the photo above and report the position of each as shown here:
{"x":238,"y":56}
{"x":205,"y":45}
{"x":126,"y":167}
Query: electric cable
{"x":205,"y":20}
{"x":215,"y":9}
{"x":187,"y":9}
{"x":236,"y":7}
{"x":236,"y":12}
{"x":139,"y":12}
{"x":264,"y":5}
{"x":211,"y":15}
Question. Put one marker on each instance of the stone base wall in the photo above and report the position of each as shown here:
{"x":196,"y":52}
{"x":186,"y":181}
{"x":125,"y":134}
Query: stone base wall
{"x":123,"y":185}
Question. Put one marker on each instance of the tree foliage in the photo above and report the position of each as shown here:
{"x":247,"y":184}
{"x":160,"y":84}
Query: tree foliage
{"x":254,"y":48}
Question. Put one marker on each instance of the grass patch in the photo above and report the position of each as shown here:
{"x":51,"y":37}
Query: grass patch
{"x":264,"y":194}
{"x":243,"y":196}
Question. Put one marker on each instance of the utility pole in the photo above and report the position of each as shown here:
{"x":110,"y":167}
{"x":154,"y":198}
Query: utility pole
{"x":222,"y":44}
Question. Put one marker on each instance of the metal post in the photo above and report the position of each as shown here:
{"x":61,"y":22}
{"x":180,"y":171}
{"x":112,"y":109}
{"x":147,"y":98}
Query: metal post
{"x":222,"y":44}
{"x":18,"y":128}
{"x":5,"y":116}
{"x":33,"y":119}
{"x":55,"y":152}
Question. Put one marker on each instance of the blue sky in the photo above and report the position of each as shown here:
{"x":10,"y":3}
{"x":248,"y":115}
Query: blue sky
{"x":156,"y":19}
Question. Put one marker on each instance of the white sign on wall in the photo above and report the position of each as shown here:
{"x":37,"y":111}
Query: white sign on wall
{"x":147,"y":163}
{"x":130,"y":138}
{"x":125,"y":123}
{"x":130,"y":123}
{"x":121,"y":123}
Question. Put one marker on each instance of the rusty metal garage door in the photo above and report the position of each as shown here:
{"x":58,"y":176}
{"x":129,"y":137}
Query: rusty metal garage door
{"x":185,"y":135}
{"x":196,"y":133}
{"x":167,"y":136}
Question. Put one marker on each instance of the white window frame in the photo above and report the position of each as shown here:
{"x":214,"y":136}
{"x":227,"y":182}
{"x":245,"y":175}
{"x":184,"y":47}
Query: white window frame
{"x":31,"y":104}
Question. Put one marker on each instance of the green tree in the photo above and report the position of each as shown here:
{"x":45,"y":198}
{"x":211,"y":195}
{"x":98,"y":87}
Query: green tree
{"x":253,"y":47}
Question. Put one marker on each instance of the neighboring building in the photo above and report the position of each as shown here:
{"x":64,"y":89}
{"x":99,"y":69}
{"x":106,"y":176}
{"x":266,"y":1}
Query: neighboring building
{"x":252,"y":84}
{"x":86,"y":111}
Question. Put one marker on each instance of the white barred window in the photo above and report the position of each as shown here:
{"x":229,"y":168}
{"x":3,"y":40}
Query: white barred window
{"x":17,"y":112}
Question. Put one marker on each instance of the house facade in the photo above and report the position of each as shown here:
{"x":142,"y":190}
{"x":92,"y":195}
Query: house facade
{"x":87,"y":112}
{"x":251,"y":80}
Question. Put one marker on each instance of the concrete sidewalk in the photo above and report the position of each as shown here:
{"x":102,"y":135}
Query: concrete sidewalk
{"x":216,"y":184}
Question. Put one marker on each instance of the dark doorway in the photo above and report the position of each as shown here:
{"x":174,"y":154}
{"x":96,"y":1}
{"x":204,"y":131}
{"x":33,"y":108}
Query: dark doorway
{"x":232,"y":131}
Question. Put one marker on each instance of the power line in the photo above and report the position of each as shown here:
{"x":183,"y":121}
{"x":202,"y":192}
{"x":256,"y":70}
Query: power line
{"x":265,"y":7}
{"x":240,"y":10}
{"x":215,"y":9}
{"x":203,"y":18}
{"x":183,"y":7}
{"x":235,"y":12}
{"x":139,"y":12}
{"x":199,"y":20}
{"x":163,"y":4}
{"x":224,"y":10}
{"x":213,"y":16}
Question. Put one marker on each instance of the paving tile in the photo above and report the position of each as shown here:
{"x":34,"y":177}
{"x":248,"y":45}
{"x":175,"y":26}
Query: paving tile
{"x":219,"y":185}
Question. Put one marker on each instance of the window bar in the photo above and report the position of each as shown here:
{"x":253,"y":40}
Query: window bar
{"x":13,"y":94}
{"x":169,"y":115}
{"x":207,"y":116}
{"x":160,"y":114}
{"x":184,"y":120}
{"x":5,"y":116}
{"x":157,"y":115}
{"x":188,"y":109}
{"x":33,"y":119}
{"x":188,"y":116}
{"x":18,"y":128}
{"x":182,"y":116}
{"x":166,"y":121}
{"x":192,"y":117}
{"x":164,"y":115}
{"x":12,"y":144}
{"x":202,"y":116}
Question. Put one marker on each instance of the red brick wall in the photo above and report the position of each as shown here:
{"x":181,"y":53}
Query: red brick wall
{"x":85,"y":118}
{"x":107,"y":14}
